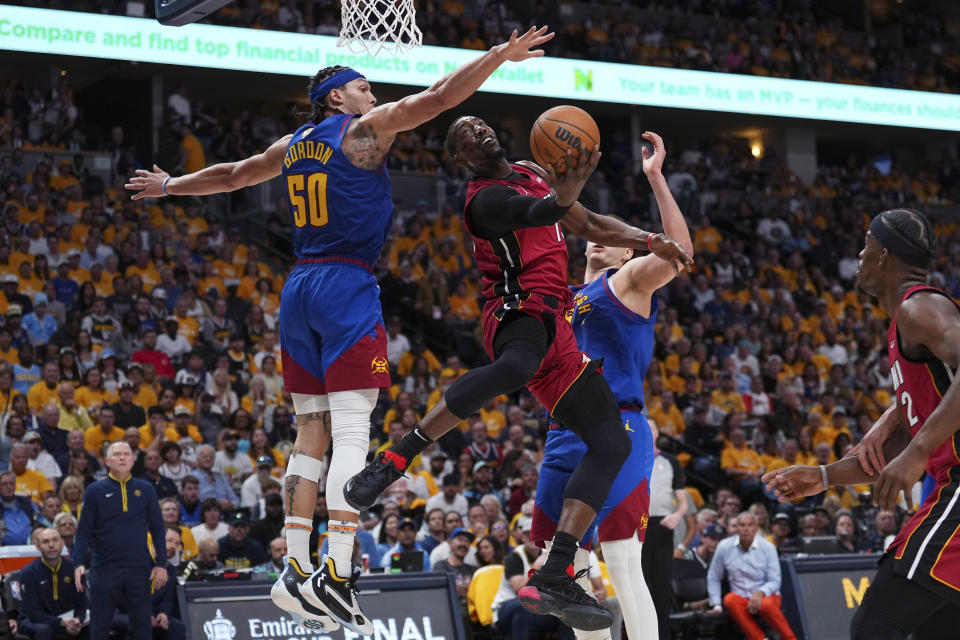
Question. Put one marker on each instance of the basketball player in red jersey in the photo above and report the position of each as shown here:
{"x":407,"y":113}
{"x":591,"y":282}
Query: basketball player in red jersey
{"x":917,"y":586}
{"x":514,"y":217}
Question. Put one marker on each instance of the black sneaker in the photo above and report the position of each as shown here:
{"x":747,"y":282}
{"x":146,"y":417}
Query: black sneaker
{"x":338,"y":596}
{"x":286,"y":595}
{"x":363,"y":489}
{"x":562,"y":597}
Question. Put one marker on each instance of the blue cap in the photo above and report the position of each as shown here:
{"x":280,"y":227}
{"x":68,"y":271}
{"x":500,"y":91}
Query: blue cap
{"x":715,"y":531}
{"x":107,"y":353}
{"x":460,"y":531}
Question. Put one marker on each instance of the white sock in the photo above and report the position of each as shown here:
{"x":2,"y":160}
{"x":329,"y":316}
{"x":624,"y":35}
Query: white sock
{"x":298,"y":532}
{"x":340,"y":537}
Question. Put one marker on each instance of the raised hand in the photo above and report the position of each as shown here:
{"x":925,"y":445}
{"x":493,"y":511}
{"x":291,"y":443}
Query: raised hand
{"x":148,"y":183}
{"x":520,"y":48}
{"x":653,"y":162}
{"x":670,"y":251}
{"x":570,"y":183}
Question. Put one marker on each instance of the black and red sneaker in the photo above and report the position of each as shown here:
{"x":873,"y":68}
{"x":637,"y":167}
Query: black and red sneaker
{"x":363,"y":489}
{"x":562,"y":597}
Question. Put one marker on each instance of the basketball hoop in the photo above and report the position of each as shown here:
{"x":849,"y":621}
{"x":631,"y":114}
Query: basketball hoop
{"x":372,"y":26}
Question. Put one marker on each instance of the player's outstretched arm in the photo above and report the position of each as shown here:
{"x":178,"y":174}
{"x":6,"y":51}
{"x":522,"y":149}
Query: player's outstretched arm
{"x":800,"y":481}
{"x":607,"y":230}
{"x":408,"y":113}
{"x":931,"y":320}
{"x":218,"y":178}
{"x":647,"y":274}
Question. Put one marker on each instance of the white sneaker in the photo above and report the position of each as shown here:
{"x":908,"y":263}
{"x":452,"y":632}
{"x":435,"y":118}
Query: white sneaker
{"x":285,"y":593}
{"x":337,"y":596}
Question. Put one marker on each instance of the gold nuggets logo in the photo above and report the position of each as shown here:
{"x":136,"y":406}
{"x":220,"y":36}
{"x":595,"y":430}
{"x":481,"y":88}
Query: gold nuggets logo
{"x":379,"y":365}
{"x":137,"y":493}
{"x":643,"y":522}
{"x":581,"y":303}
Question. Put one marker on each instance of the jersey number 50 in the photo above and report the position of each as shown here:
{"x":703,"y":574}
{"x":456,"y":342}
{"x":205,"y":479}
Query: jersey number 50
{"x":312,"y":206}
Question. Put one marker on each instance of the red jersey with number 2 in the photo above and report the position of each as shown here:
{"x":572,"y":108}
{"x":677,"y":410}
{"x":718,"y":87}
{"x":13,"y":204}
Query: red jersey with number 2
{"x":927,"y":549}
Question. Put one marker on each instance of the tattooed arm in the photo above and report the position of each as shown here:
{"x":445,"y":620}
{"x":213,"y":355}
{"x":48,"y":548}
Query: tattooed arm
{"x":218,"y":178}
{"x":369,"y":137}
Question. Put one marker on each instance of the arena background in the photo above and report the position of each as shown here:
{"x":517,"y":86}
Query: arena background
{"x":788,"y":125}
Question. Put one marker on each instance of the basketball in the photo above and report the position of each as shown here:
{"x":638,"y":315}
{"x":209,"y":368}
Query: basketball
{"x":561,"y":128}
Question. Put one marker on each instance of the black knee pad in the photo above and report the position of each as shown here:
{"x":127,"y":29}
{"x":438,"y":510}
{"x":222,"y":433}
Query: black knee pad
{"x":590,"y":410}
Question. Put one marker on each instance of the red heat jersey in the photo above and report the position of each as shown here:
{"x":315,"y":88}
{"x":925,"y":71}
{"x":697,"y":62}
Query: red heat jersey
{"x":919,"y":387}
{"x":529,"y":261}
{"x":927,"y":549}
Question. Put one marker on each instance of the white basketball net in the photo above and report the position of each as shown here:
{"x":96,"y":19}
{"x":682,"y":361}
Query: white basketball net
{"x":372,"y":26}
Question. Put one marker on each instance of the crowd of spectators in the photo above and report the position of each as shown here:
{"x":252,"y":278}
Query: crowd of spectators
{"x":149,"y":322}
{"x":882,"y":44}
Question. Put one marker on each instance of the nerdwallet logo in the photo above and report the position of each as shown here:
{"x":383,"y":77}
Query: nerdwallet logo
{"x":582,"y":80}
{"x":383,"y":629}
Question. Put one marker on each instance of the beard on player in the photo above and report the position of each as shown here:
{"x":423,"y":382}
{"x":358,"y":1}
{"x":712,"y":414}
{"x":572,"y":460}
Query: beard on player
{"x":474,"y":145}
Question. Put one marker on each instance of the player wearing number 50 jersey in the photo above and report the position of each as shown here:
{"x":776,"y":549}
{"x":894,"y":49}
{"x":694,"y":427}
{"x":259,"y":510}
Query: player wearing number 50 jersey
{"x":331,"y":329}
{"x":917,"y":587}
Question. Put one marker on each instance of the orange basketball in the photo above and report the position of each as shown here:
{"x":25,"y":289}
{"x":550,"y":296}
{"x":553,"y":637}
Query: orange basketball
{"x":561,"y":128}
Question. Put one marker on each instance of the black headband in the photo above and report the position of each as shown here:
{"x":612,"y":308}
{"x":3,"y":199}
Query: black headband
{"x":897,"y":245}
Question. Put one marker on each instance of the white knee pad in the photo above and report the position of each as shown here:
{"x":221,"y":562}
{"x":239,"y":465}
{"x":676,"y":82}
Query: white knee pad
{"x":304,"y":403}
{"x":307,"y":467}
{"x":350,"y":434}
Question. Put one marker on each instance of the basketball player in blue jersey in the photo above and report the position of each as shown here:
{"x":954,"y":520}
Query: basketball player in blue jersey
{"x":614,"y":315}
{"x":331,"y":329}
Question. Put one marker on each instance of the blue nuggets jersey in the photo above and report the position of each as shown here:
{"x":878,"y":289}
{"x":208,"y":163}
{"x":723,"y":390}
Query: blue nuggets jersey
{"x":336,"y":208}
{"x":606,"y":328}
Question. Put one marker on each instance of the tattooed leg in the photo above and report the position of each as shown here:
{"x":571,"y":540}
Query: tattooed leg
{"x":302,"y":481}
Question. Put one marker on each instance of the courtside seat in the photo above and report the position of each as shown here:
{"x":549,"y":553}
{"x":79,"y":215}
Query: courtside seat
{"x":689,"y":582}
{"x":480,"y":595}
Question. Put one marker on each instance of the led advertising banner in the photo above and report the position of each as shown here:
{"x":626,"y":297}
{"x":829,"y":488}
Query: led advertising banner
{"x":198,"y":45}
{"x":414,"y":606}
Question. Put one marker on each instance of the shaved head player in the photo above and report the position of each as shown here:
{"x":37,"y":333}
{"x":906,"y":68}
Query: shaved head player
{"x":917,"y":586}
{"x":513,"y":212}
{"x":332,"y":339}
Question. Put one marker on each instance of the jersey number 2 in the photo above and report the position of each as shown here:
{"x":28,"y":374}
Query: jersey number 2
{"x":310,"y":206}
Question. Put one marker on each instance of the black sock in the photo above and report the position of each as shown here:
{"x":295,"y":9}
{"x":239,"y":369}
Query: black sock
{"x":561,"y":554}
{"x":412,"y":444}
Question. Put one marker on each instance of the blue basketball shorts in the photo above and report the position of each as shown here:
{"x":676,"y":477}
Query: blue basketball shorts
{"x":626,"y":509}
{"x":331,"y":329}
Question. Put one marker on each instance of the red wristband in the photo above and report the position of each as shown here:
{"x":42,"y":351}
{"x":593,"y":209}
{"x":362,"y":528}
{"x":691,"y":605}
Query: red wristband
{"x":649,"y":238}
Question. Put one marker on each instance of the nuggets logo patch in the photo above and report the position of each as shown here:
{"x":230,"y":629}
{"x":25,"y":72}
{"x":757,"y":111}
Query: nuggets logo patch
{"x":66,"y":579}
{"x":137,"y":493}
{"x":379,"y":365}
{"x":643,"y":522}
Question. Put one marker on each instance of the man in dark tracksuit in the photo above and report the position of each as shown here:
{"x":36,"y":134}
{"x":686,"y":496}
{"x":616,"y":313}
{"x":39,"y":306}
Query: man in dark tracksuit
{"x":47,"y":591}
{"x":118,"y":512}
{"x":165,"y":610}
